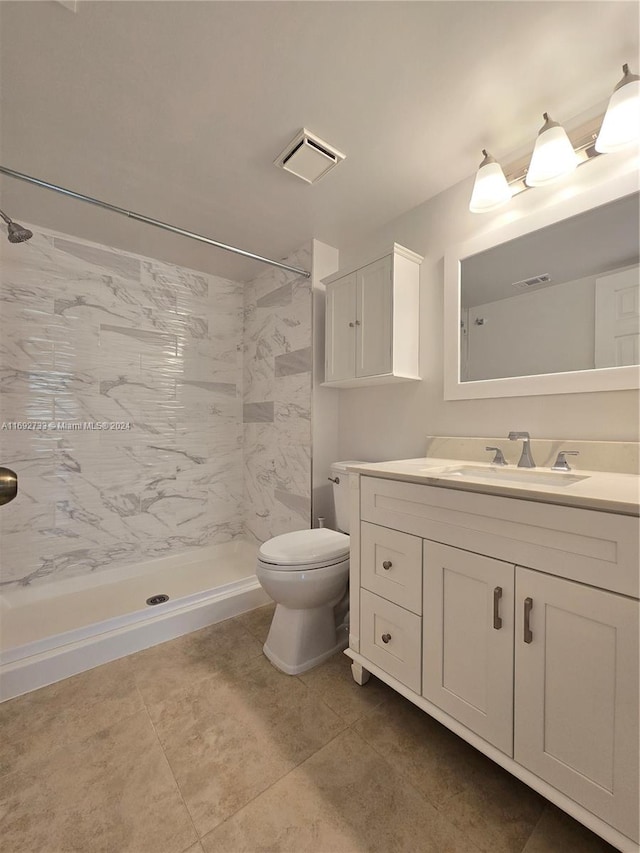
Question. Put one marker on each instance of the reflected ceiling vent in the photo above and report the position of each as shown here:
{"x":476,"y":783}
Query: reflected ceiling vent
{"x":309,"y":157}
{"x":543,"y":278}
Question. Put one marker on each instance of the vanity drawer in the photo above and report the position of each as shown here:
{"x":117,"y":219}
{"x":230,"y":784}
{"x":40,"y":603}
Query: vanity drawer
{"x":400,"y":652}
{"x":391,"y":565}
{"x":588,"y":546}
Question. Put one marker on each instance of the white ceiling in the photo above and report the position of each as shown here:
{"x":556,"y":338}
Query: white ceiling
{"x":176,"y":110}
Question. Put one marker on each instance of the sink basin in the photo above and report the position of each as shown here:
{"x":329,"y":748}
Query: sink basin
{"x":524,"y":476}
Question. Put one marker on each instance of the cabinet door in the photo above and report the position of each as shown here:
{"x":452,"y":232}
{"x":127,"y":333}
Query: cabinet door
{"x":468,"y":640}
{"x":375,"y":319}
{"x":340,"y":330}
{"x":576,"y":697}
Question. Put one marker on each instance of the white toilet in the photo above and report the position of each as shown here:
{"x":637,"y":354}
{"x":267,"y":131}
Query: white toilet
{"x":306,"y":574}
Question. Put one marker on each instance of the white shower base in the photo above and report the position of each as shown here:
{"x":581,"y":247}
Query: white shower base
{"x":55,"y":630}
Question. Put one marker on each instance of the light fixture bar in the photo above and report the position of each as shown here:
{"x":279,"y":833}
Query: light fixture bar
{"x":583,"y":140}
{"x":155,"y":222}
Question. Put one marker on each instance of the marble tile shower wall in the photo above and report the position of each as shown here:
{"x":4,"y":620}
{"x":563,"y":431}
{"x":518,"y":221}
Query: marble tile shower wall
{"x":91,"y":334}
{"x":277,"y":401}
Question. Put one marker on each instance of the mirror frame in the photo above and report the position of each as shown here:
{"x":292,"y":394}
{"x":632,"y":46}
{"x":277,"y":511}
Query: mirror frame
{"x":571,"y":382}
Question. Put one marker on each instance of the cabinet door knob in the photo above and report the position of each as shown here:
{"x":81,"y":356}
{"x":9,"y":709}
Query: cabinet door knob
{"x":387,"y":565}
{"x":497,"y":619}
{"x":357,"y":322}
{"x":528,"y":607}
{"x":351,"y":325}
{"x":385,"y":638}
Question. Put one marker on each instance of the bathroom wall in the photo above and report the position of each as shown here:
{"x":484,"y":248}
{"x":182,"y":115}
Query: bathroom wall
{"x":537,"y":331}
{"x":277,"y":400}
{"x":90,"y":334}
{"x":390,"y":422}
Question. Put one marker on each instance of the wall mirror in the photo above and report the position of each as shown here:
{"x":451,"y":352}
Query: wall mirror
{"x":549,"y":305}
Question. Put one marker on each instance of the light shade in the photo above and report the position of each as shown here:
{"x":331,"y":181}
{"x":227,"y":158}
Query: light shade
{"x":553,"y":155}
{"x":490,"y":189}
{"x":621,"y":124}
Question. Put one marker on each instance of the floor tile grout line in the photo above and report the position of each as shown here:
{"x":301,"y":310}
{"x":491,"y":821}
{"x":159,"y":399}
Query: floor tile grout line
{"x":74,"y":742}
{"x":275,"y":782}
{"x":172,"y":694}
{"x":286,"y":773}
{"x":421,"y":794}
{"x":173,"y":776}
{"x":438,"y":806}
{"x":535,"y":826}
{"x":448,"y":799}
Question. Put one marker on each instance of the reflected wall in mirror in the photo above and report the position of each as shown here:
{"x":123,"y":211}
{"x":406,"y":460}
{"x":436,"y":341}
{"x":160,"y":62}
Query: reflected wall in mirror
{"x":558,"y":299}
{"x":548,"y":302}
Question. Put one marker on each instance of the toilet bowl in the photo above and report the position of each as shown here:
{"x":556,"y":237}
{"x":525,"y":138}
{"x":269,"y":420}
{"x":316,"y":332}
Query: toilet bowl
{"x":306,"y":573}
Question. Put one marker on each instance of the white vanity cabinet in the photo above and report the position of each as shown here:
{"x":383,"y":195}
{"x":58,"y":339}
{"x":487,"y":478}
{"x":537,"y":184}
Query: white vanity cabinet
{"x":522,"y":620}
{"x":372,"y":317}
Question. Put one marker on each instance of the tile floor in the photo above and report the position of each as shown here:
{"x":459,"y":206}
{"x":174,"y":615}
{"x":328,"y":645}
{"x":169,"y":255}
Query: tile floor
{"x":200,"y":746}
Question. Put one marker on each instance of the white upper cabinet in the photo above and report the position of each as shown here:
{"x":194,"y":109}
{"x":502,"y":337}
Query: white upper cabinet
{"x":340,"y":352}
{"x":372,"y":322}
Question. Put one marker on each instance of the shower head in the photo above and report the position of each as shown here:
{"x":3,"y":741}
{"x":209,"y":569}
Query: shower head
{"x":16,"y":233}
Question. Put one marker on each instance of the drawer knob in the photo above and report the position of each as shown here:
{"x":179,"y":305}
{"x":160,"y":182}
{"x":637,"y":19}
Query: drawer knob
{"x":385,"y":638}
{"x":387,"y":565}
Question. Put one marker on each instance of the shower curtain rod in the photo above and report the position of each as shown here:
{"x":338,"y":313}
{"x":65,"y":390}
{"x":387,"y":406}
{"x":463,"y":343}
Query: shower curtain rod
{"x":155,"y":222}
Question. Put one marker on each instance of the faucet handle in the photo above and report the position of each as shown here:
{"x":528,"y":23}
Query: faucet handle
{"x":498,"y":459}
{"x":561,"y":463}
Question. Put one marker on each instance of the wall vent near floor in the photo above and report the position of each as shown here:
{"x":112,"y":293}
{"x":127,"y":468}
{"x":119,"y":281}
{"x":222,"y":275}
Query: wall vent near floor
{"x":543,"y":278}
{"x":308,"y":157}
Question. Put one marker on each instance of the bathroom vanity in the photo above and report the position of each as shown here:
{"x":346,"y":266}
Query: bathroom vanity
{"x":505,"y":604}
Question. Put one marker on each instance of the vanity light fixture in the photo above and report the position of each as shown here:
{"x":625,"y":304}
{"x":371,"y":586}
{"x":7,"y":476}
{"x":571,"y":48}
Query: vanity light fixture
{"x":621,"y":124}
{"x":490,"y":189}
{"x":553,"y":155}
{"x":556,"y":154}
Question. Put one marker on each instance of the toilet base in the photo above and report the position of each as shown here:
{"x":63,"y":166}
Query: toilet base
{"x":301,"y":639}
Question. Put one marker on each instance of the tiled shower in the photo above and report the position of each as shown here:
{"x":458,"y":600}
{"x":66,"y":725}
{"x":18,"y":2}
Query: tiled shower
{"x":204,"y":383}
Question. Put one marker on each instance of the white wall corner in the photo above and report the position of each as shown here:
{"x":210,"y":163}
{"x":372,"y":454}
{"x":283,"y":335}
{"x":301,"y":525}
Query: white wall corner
{"x":324,"y":401}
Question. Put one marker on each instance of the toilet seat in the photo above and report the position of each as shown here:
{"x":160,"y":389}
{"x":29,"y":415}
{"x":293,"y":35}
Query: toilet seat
{"x":304,"y":549}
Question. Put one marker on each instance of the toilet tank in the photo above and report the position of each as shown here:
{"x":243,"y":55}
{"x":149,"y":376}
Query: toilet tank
{"x":340,"y":474}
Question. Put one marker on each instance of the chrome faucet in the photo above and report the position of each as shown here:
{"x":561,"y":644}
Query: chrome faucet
{"x":526,"y":460}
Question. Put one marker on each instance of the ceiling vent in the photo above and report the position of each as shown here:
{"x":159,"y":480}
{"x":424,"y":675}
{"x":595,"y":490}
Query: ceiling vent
{"x":309,"y":157}
{"x":543,"y":278}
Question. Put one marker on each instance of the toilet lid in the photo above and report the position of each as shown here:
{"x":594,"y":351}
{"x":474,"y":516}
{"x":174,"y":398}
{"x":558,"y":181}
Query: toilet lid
{"x":305,"y":547}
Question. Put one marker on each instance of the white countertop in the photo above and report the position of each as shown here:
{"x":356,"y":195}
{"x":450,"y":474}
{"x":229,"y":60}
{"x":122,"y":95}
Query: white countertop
{"x":599,"y":490}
